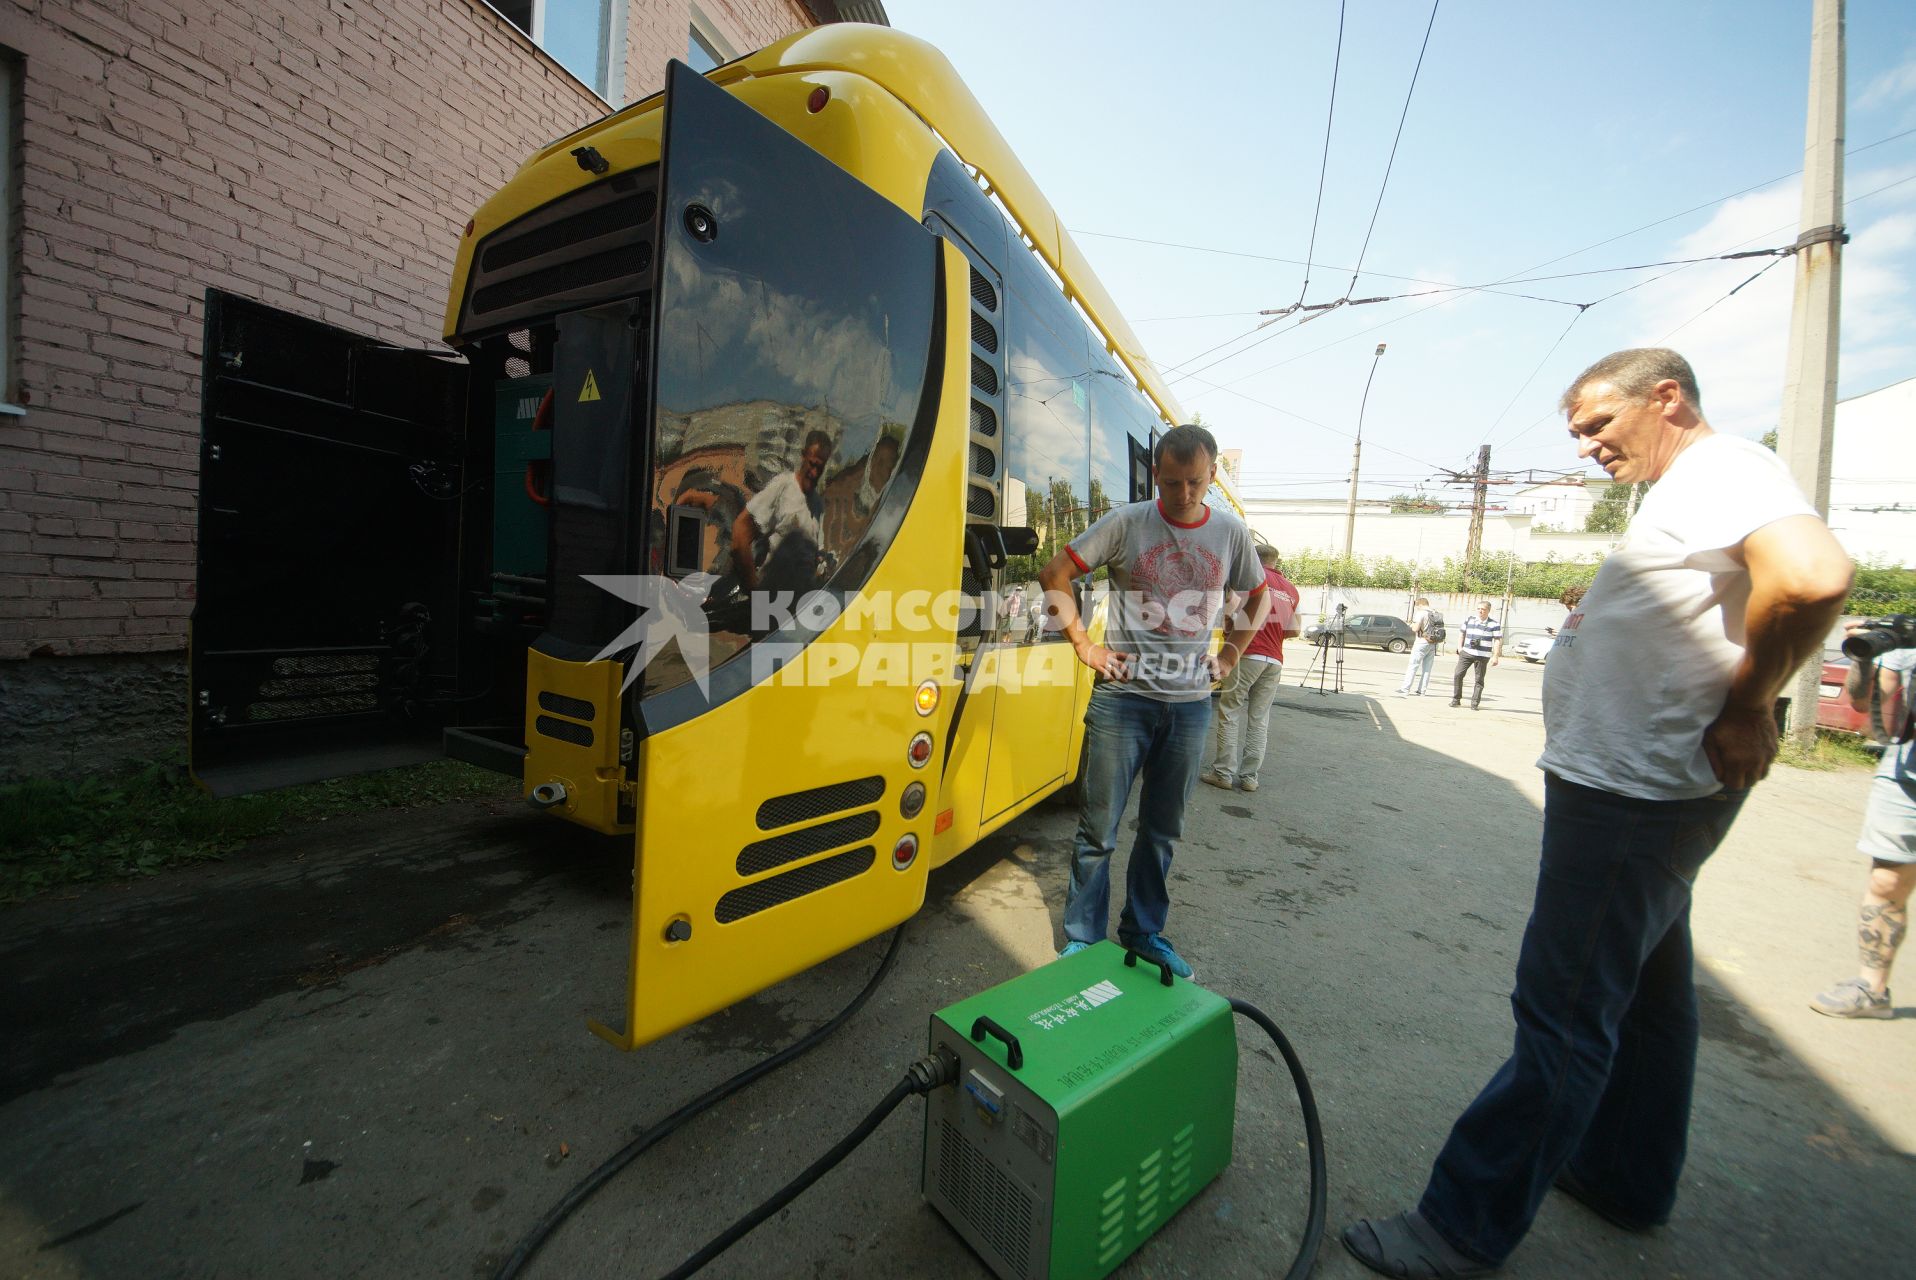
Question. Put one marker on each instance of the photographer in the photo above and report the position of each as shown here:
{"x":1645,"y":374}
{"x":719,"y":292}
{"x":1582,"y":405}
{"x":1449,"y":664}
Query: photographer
{"x":1889,"y":821}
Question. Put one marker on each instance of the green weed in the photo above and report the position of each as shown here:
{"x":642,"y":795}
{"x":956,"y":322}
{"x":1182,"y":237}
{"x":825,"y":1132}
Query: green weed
{"x":56,"y":832}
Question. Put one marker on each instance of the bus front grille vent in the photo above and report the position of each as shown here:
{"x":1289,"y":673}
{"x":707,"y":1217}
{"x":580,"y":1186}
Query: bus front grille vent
{"x":560,"y":705}
{"x":795,"y":883}
{"x":981,"y":502}
{"x":763,"y":855}
{"x":338,"y":704}
{"x":325,"y":664}
{"x":564,"y":730}
{"x":596,"y":244}
{"x":984,"y":377}
{"x":982,"y":333}
{"x":802,"y":806}
{"x":982,"y":293}
{"x":983,"y":421}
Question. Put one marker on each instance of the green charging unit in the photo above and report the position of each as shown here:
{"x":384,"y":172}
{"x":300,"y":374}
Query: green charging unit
{"x":1095,"y":1098}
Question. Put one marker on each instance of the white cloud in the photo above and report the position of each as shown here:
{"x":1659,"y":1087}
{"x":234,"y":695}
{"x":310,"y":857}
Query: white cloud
{"x":1892,"y":86}
{"x":1739,"y":345}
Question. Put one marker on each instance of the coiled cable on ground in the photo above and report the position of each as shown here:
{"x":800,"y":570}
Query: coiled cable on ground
{"x":594,"y":1181}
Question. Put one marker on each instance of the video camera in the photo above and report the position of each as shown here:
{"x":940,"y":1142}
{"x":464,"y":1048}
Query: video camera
{"x":1879,"y":636}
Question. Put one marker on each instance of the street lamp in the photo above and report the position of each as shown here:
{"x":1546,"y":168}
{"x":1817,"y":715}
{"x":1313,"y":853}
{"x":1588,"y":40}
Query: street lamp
{"x":1350,"y":512}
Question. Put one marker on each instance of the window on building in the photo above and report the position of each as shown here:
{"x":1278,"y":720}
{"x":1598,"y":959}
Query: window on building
{"x":581,"y":35}
{"x":705,"y":48}
{"x":9,"y":201}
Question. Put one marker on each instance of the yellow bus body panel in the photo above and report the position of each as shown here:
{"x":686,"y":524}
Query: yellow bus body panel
{"x":590,"y":772}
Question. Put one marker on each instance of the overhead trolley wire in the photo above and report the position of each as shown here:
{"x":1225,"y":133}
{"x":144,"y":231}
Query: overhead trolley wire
{"x":1776,"y":256}
{"x":1323,"y":166}
{"x":1519,"y":277}
{"x":1402,"y":116}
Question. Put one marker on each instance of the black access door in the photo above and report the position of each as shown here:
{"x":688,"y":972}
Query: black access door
{"x":324,"y":630}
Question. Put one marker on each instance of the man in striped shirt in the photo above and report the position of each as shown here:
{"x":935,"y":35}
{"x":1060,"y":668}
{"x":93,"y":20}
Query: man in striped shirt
{"x":1482,"y":645}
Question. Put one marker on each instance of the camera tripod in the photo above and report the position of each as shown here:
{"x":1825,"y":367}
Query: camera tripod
{"x":1326,"y":642}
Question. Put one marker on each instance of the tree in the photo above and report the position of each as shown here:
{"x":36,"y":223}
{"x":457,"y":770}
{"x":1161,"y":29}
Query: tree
{"x":1769,"y":440}
{"x":1413,"y":504}
{"x":1612,"y":512}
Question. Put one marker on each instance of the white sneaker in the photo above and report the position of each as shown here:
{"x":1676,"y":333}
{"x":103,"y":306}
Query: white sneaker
{"x":1247,"y":784}
{"x":1215,"y":779}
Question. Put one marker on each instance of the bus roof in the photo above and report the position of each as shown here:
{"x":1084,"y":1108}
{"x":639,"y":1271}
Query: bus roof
{"x":919,"y":76}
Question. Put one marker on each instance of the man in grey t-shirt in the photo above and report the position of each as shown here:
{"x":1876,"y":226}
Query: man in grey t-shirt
{"x":1171,"y":563}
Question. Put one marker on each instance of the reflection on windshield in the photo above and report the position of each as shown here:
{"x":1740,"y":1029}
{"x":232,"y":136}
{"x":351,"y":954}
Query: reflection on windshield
{"x":792,"y":352}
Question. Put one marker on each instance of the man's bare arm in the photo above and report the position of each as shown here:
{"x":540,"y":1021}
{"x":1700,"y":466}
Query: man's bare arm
{"x":1056,"y":578}
{"x":744,"y":534}
{"x":1799,"y":578}
{"x":1244,"y":629}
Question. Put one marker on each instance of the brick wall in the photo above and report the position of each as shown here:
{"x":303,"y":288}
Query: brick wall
{"x":320,"y":156}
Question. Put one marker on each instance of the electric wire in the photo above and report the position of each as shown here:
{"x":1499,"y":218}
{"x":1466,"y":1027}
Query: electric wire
{"x":1525,"y":386}
{"x":1323,"y":166}
{"x":1522,"y":276}
{"x":1779,"y":255}
{"x":590,"y":1185}
{"x":1385,"y":184}
{"x":904,"y":1089}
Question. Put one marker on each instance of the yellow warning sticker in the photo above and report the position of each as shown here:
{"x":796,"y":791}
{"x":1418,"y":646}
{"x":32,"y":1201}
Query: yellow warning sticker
{"x":590,"y":391}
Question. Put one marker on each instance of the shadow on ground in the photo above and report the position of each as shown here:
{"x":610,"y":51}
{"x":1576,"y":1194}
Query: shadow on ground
{"x":359,"y":1049}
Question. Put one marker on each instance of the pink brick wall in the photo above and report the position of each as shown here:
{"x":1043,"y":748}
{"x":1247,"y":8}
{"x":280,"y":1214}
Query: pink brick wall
{"x":318,"y":155}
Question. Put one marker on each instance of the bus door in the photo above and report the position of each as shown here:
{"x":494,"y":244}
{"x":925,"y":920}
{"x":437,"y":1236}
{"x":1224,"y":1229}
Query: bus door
{"x":1033,"y":675}
{"x":324,"y":637}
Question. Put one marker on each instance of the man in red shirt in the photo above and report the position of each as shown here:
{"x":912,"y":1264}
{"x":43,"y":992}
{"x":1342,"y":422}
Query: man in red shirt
{"x":1244,"y":706}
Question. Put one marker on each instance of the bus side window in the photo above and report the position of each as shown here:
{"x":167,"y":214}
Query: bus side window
{"x":1140,"y":470}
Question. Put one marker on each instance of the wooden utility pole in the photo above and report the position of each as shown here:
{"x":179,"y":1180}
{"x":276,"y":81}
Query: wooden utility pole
{"x":1480,"y":488}
{"x":1808,"y":424}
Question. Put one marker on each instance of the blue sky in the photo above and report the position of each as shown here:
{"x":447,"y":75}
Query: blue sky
{"x":1535,"y":130}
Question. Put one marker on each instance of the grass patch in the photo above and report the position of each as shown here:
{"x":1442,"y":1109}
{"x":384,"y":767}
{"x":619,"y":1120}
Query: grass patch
{"x":1830,"y":751}
{"x":57,"y":832}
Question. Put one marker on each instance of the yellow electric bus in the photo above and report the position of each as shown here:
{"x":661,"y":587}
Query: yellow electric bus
{"x":744,"y":372}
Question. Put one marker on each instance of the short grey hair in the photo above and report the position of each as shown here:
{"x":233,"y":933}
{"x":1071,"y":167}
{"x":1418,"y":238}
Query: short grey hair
{"x":1635,"y":373}
{"x":1183,"y":444}
{"x":1267,"y":555}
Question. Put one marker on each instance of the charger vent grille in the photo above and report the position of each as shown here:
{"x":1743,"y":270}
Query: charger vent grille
{"x":994,"y":1206}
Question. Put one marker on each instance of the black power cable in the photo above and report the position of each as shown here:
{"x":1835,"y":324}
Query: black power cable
{"x":938,"y":1069}
{"x":926,"y":1074}
{"x":1307,"y":1248}
{"x":592,"y":1182}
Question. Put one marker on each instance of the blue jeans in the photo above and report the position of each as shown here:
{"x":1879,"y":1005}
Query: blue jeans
{"x":1126,"y":734}
{"x":1606,"y":1013}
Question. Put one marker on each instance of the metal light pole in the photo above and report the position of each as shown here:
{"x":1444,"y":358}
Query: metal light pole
{"x":1357,"y":454}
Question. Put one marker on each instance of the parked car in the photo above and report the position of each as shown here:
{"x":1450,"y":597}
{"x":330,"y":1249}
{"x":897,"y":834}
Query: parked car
{"x":1531,"y":646}
{"x":1379,"y":629}
{"x":1833,"y":710}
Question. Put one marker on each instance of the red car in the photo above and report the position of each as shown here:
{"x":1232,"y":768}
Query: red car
{"x":1833,"y":710}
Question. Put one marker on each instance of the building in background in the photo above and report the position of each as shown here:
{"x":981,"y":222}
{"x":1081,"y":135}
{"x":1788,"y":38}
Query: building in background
{"x":317,"y":156}
{"x":1873,"y":476}
{"x":1562,"y":505}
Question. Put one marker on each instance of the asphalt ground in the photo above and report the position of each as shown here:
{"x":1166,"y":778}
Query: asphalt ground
{"x":360,"y":1048}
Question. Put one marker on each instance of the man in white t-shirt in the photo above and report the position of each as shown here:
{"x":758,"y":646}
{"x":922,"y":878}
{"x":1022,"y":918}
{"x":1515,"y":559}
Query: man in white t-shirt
{"x":777,"y":538}
{"x":1659,"y":702}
